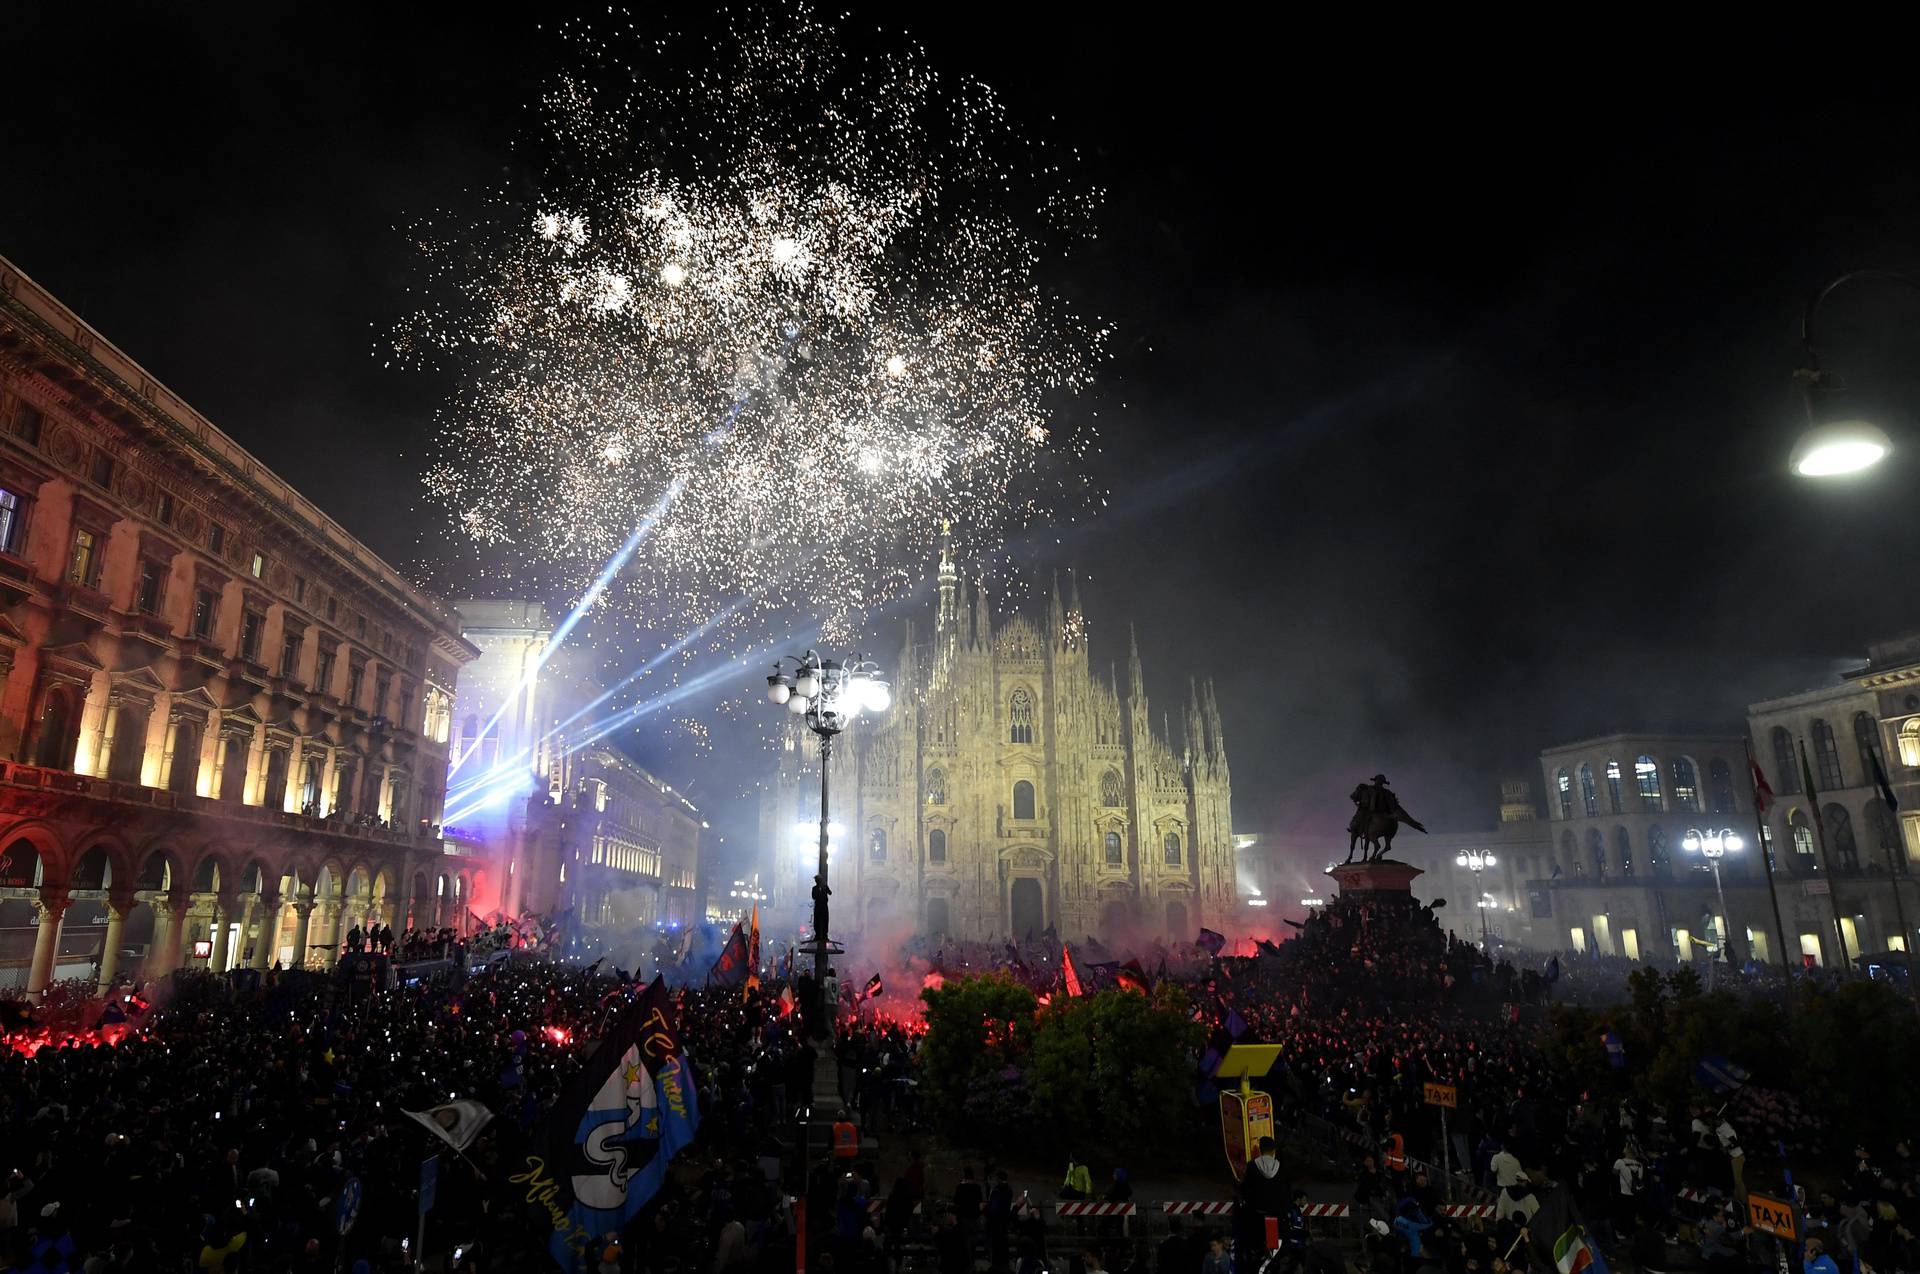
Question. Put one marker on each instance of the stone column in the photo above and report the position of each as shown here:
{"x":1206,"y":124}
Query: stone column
{"x":167,"y":950}
{"x":268,"y":907}
{"x":302,"y":914}
{"x":118,"y":905}
{"x":222,"y":916}
{"x":46,"y":944}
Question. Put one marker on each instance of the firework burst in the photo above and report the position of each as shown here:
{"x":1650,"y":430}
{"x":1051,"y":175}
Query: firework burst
{"x":801,"y":289}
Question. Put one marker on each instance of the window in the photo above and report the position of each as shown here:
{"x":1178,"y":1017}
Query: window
{"x":1020,"y":714}
{"x":204,"y":605}
{"x":382,"y":686}
{"x":1846,"y":851}
{"x":1171,"y":844}
{"x":58,"y":730}
{"x":233,"y":768}
{"x":386,"y":643}
{"x":164,"y":510}
{"x":333,"y":609}
{"x":1686,"y":785}
{"x":323,"y":671}
{"x":936,"y":786}
{"x":356,"y":676}
{"x":251,"y":623}
{"x":257,"y":565}
{"x":1866,"y":737}
{"x":360,"y":626}
{"x":1111,"y":795}
{"x":289,"y":653}
{"x":1786,"y":772}
{"x":877,"y":846}
{"x":1563,"y":782}
{"x":1613,"y":786}
{"x":83,"y":565}
{"x":184,"y":768}
{"x":10,"y":520}
{"x":1023,"y":799}
{"x":1805,"y":862}
{"x":1569,"y":856}
{"x":1623,"y":850}
{"x":216,"y":539}
{"x":1116,"y":854}
{"x":1910,"y":743}
{"x":1720,"y":785}
{"x":300,"y":589}
{"x":1589,"y":798}
{"x":100,"y":471}
{"x":936,"y":846}
{"x":1597,"y":853}
{"x":1646,"y":774}
{"x":1657,"y":853}
{"x":276,"y":793}
{"x":26,"y":423}
{"x":1883,"y":831}
{"x":153,"y":587}
{"x":1826,"y":756}
{"x":406,"y":704}
{"x":129,"y":744}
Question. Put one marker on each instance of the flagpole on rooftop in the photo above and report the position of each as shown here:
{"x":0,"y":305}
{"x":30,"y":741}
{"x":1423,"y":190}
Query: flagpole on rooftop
{"x":1766,"y":862}
{"x":1826,"y":859}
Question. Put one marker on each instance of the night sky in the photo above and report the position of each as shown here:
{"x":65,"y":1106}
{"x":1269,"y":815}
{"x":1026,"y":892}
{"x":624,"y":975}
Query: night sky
{"x":1455,"y":372}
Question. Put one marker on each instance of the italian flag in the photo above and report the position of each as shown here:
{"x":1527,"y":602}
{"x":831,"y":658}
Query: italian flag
{"x":1571,"y":1253}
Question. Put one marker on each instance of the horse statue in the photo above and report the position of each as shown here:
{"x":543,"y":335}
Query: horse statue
{"x":1377,"y":815}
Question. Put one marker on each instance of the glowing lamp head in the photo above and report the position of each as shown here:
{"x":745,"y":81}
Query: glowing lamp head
{"x":876,"y":694}
{"x":1691,"y":842}
{"x":778,"y":690}
{"x":807,"y":683}
{"x":1839,"y":448}
{"x":1732,"y":843}
{"x":1459,"y":860}
{"x":798,"y":703}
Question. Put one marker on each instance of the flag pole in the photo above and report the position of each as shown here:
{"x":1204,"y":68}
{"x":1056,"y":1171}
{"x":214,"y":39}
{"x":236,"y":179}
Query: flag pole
{"x":1893,"y":871}
{"x":1766,"y":861}
{"x":1826,"y":859}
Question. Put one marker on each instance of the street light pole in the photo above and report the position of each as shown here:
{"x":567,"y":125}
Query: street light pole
{"x":1835,"y":444}
{"x":1713,"y":846}
{"x":1477,"y":861}
{"x":829,"y":694}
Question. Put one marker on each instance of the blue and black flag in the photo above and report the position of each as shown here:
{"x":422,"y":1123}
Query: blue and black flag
{"x":612,"y":1134}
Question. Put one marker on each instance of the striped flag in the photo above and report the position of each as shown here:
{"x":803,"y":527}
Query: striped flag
{"x":873,"y":988}
{"x":1572,"y":1254}
{"x":1071,"y":974}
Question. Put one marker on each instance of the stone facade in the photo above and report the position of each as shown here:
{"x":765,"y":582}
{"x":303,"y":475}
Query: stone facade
{"x":221,"y":715}
{"x":566,"y":821}
{"x":1009,"y":788}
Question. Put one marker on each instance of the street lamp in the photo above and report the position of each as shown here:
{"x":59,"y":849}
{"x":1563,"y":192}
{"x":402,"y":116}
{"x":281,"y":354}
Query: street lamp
{"x":1835,"y":443}
{"x":1477,"y":861}
{"x":1713,"y":846}
{"x":828,"y":694}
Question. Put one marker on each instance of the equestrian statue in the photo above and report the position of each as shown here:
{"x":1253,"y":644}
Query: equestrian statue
{"x":1376,"y":816}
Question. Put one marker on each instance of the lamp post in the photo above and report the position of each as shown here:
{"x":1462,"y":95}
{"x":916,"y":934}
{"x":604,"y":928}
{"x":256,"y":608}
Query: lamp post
{"x":1477,"y":861}
{"x":1835,"y":443}
{"x":1714,"y":845}
{"x":828,"y":694}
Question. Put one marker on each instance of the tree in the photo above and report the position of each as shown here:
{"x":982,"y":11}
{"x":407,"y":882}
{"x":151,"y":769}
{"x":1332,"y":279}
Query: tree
{"x":1113,"y":1068}
{"x":977,"y":1029}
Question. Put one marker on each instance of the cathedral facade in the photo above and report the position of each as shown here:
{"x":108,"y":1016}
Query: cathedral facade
{"x":1010,"y":789}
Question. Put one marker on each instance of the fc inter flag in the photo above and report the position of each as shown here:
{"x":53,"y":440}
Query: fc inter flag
{"x":1131,"y":977}
{"x":612,"y":1134}
{"x":874,"y":987}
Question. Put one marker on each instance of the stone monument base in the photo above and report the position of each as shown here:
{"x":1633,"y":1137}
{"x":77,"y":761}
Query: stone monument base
{"x":1384,"y":876}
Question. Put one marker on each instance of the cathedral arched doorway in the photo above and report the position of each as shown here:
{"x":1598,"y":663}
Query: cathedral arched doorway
{"x":1028,"y":905}
{"x":1113,"y":919}
{"x":937,"y":920}
{"x":1177,"y":922}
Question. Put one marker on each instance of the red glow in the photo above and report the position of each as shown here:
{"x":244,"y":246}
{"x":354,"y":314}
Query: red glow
{"x":933,"y":981}
{"x":559,"y":1035}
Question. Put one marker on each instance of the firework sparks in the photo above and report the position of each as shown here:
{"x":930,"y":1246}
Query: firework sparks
{"x":800,"y":289}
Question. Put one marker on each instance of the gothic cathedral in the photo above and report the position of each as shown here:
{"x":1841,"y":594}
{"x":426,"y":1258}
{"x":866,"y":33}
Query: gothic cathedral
{"x":1009,"y":789}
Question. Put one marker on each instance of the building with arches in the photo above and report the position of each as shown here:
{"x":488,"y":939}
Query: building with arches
{"x":223,"y":719}
{"x":1011,"y":789}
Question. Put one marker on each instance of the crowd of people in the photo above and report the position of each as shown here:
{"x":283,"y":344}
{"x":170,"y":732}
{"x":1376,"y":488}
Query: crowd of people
{"x":218,"y":1126}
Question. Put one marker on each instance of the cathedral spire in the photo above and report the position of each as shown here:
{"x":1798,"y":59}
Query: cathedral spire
{"x":1216,"y":737}
{"x":982,"y":617}
{"x":1136,"y":679}
{"x":949,"y":618}
{"x":1056,"y":617}
{"x":1198,"y":750}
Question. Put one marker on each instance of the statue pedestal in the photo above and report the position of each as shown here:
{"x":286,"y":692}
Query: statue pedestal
{"x":1384,"y":876}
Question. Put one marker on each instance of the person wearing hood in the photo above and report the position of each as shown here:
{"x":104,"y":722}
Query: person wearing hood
{"x":1263,"y":1190}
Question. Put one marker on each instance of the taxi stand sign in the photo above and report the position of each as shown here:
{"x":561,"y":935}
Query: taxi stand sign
{"x":1447,"y":1098}
{"x":1247,"y":1115}
{"x":1771,"y":1216}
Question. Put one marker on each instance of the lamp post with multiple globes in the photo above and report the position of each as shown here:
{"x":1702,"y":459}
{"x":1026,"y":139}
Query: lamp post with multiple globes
{"x":1713,"y":845}
{"x":828,"y":694}
{"x":1477,"y":861}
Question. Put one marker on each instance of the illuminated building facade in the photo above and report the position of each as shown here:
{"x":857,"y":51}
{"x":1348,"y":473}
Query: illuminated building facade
{"x":223,"y":717}
{"x":1008,"y":789}
{"x":566,"y":822}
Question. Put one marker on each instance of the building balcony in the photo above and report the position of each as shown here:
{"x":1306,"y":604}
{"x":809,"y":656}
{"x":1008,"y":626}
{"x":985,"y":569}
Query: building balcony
{"x":36,"y":791}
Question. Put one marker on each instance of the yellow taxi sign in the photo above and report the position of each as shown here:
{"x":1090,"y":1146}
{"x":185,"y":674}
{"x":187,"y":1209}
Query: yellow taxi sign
{"x":1443,"y":1095}
{"x":1770,"y":1216}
